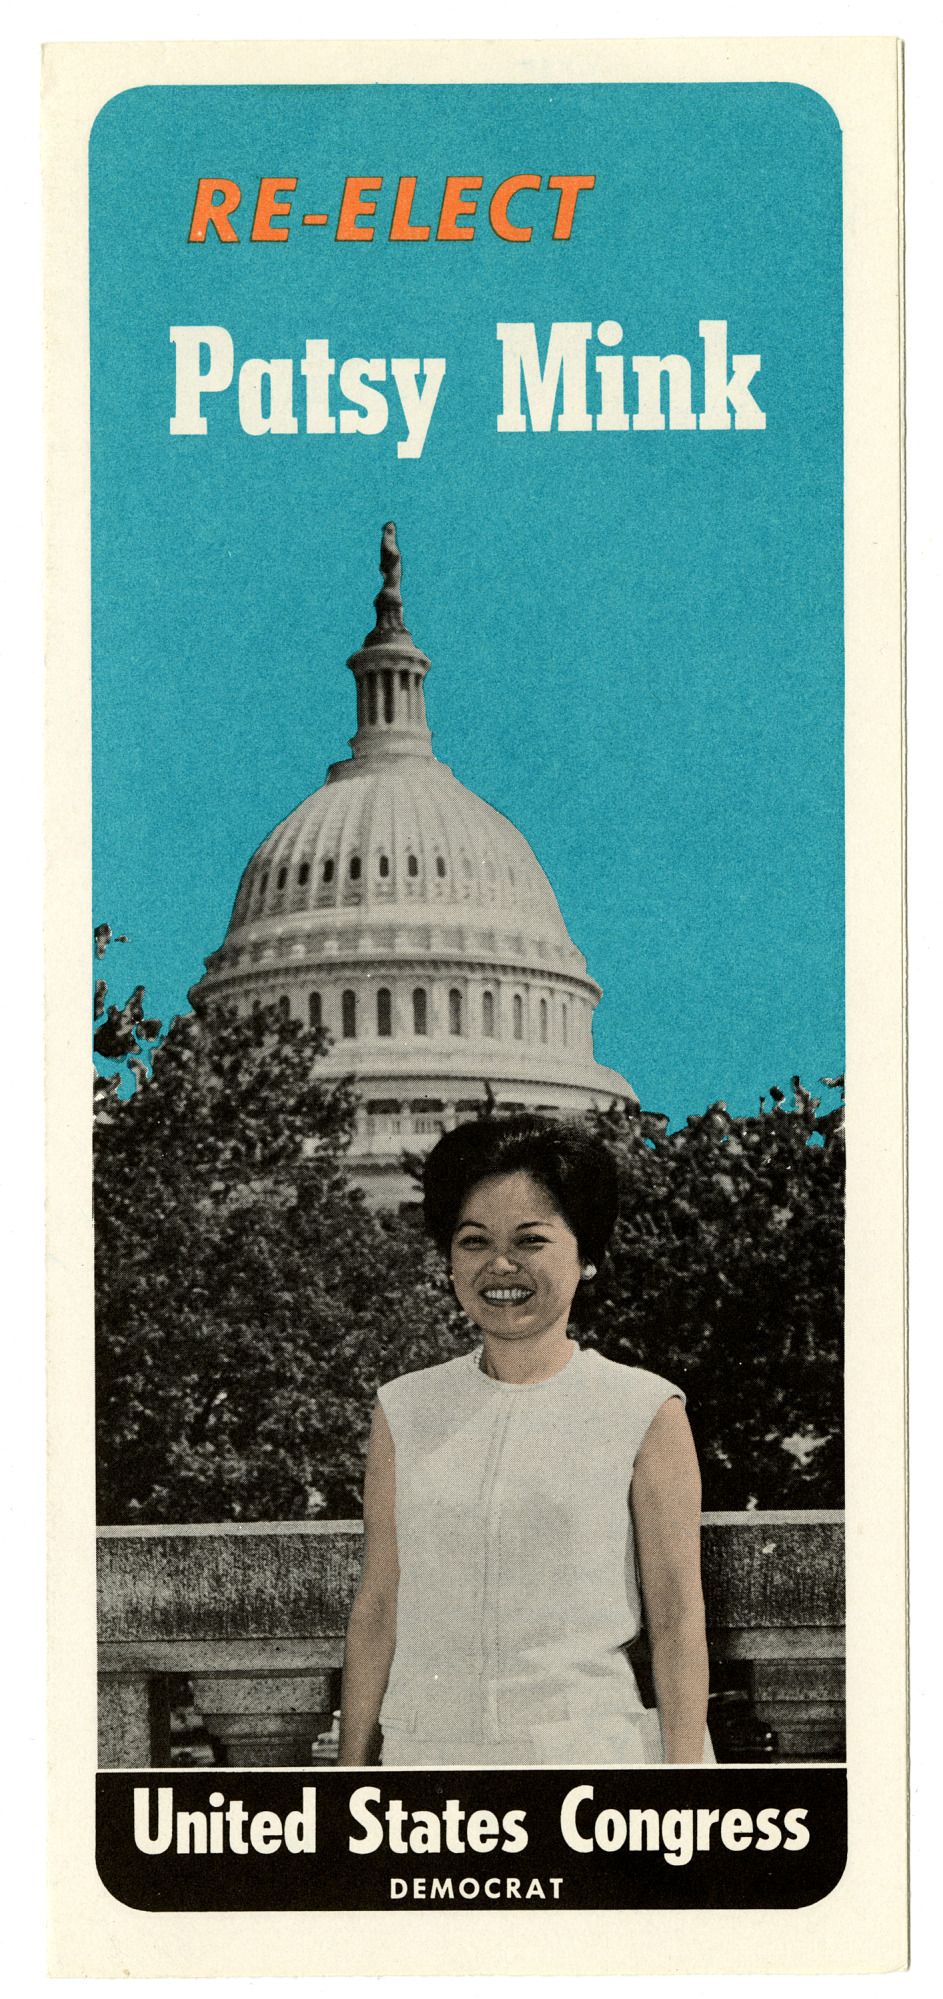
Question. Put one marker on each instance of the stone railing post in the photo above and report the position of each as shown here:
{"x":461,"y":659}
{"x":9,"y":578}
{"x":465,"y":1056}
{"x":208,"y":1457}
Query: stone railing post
{"x":265,"y":1719}
{"x":133,"y":1720}
{"x":774,"y":1585}
{"x":253,"y":1613}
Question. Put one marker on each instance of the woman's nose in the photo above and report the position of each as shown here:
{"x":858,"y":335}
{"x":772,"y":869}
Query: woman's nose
{"x":503,"y":1259}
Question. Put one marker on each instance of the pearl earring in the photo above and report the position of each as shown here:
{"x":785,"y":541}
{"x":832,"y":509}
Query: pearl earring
{"x":589,"y":1271}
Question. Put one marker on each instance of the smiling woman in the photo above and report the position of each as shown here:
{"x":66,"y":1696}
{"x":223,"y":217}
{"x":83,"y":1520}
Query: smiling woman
{"x":523,"y":1500}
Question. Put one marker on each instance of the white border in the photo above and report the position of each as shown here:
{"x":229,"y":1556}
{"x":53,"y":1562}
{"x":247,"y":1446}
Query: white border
{"x":868,"y":885}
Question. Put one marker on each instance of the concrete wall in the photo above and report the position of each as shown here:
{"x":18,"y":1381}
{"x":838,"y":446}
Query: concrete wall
{"x":255,"y":1615}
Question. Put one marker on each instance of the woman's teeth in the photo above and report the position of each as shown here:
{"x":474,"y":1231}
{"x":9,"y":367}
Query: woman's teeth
{"x":508,"y":1295}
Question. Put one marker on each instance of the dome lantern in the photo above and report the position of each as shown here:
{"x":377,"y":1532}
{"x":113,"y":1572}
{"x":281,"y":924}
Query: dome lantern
{"x":389,"y":670}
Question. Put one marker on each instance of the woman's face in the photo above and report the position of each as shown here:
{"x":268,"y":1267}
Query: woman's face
{"x":515,"y":1261}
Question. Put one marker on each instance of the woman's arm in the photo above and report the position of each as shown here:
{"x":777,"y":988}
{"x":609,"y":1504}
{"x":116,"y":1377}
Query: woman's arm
{"x":371,"y":1633}
{"x":666,"y":1510}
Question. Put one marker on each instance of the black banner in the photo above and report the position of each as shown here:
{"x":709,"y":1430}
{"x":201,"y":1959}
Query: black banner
{"x":660,"y":1838}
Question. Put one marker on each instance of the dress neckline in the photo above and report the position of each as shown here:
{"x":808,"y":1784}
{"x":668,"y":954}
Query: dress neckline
{"x":524,"y":1387}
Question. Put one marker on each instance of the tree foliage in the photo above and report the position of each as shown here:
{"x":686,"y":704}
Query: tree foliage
{"x":236,"y":1279}
{"x":726,"y":1275}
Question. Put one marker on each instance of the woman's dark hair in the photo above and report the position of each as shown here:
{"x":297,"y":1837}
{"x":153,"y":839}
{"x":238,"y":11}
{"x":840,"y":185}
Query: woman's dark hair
{"x":573,"y":1167}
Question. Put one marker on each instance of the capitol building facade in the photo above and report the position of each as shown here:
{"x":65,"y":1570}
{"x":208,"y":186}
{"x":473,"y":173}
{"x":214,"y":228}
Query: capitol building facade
{"x":412,"y":920}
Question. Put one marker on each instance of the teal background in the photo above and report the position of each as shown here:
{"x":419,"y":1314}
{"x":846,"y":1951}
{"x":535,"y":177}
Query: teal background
{"x":636,"y":639}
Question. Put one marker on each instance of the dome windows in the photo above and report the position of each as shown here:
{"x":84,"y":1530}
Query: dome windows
{"x":383,"y":867}
{"x":284,"y":1007}
{"x":440,"y":866}
{"x":487,"y":1015}
{"x":544,"y":1020}
{"x":420,"y":1011}
{"x":384,"y":1011}
{"x":517,"y":1017}
{"x":326,"y":890}
{"x":315,"y":1011}
{"x":281,"y":878}
{"x":412,"y":866}
{"x":263,"y":883}
{"x":455,"y":1011}
{"x":304,"y":872}
{"x":354,"y":868}
{"x":564,"y":1023}
{"x":349,"y":1015}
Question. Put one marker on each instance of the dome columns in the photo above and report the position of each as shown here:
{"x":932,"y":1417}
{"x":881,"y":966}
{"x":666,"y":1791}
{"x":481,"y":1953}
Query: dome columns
{"x":391,"y":711}
{"x":428,"y":1008}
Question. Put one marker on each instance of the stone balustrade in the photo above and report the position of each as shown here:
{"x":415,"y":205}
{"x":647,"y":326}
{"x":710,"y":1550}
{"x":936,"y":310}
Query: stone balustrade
{"x":254,"y":1614}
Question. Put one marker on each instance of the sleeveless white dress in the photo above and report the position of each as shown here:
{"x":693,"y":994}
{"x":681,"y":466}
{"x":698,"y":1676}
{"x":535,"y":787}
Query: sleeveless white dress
{"x":518,"y":1583}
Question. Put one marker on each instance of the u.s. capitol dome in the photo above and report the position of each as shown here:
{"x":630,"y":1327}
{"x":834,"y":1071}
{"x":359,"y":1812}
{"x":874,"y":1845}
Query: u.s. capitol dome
{"x":411,"y":920}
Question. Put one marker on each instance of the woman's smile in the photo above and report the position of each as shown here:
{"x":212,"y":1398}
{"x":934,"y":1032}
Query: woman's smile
{"x":508,"y":1294}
